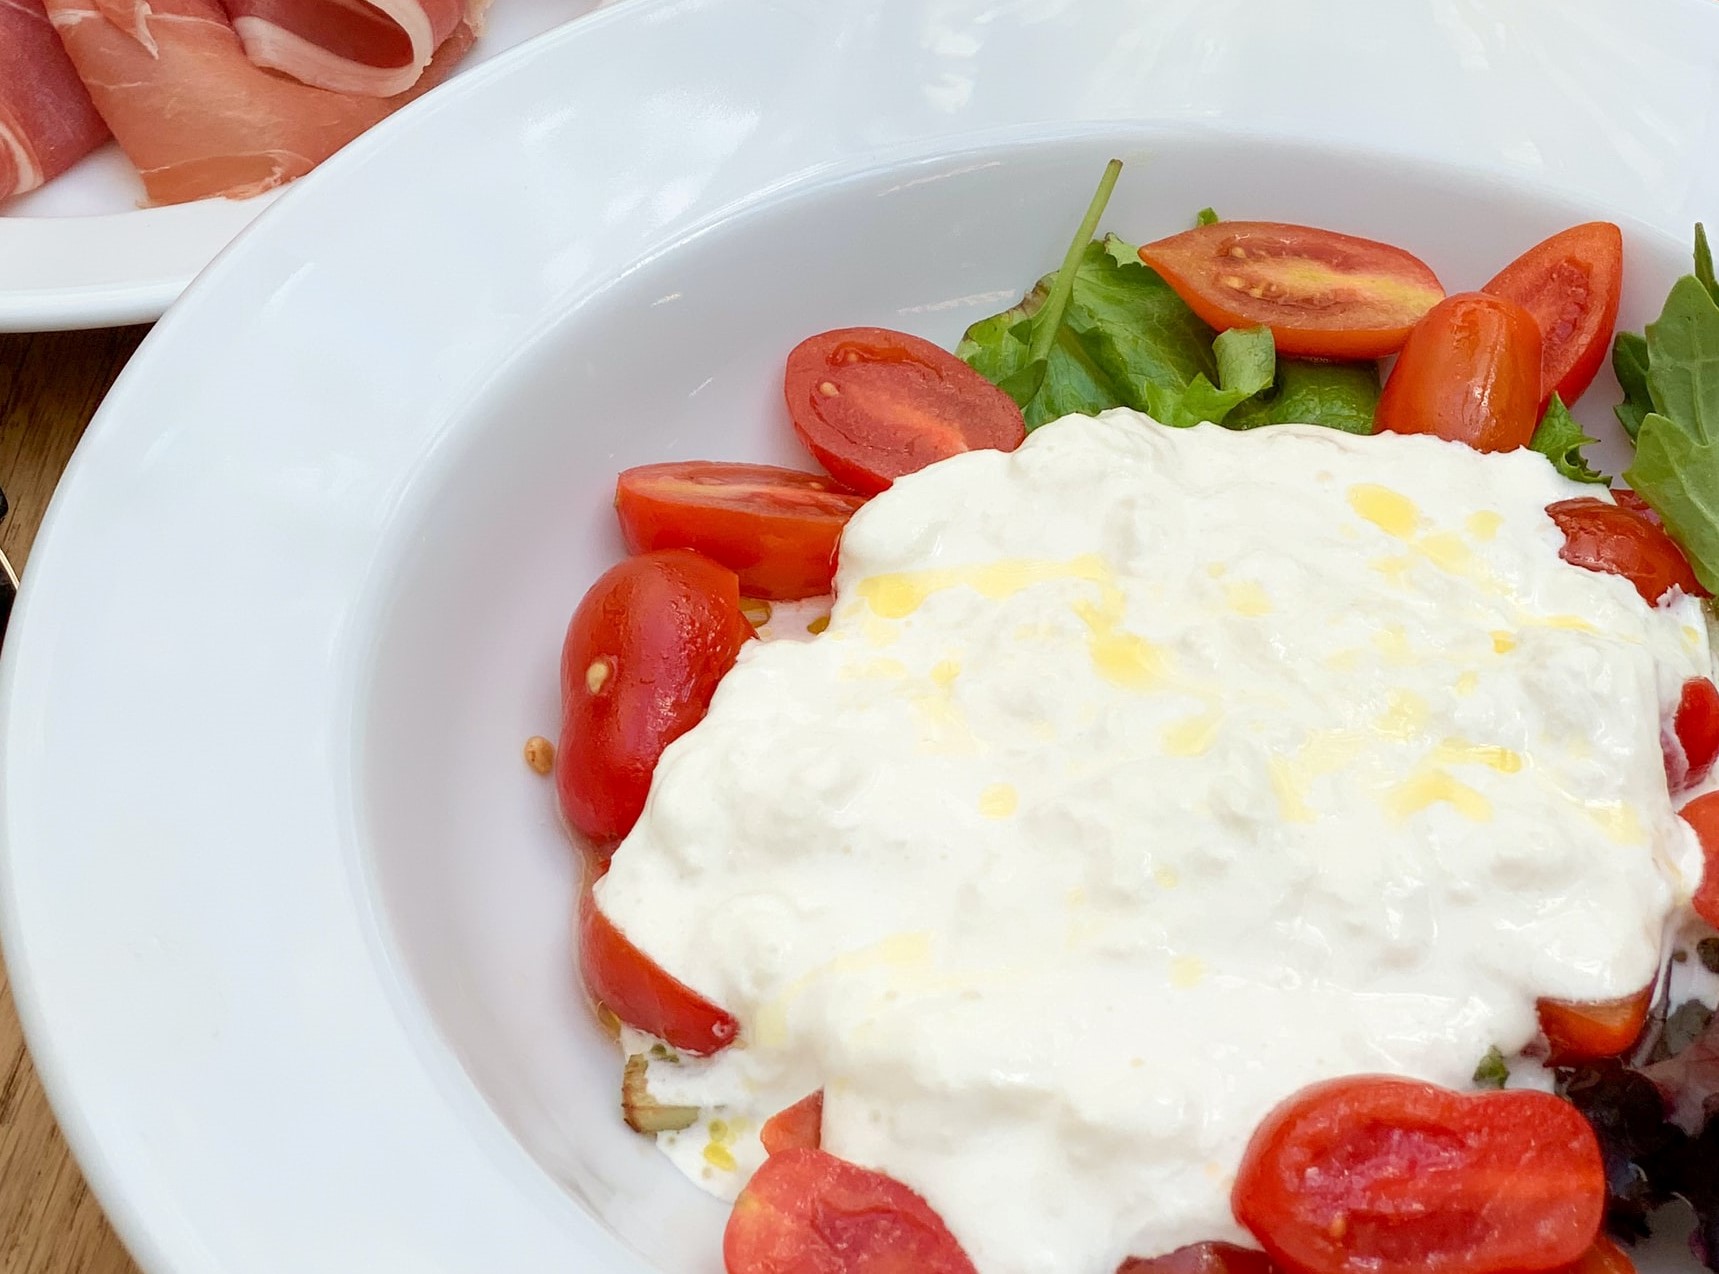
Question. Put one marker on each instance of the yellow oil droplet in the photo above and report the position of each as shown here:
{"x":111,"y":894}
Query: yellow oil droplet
{"x":720,"y":1157}
{"x":1484,"y":524}
{"x":1166,"y":877}
{"x":1445,"y":550}
{"x":1393,"y":644}
{"x":1292,"y":804}
{"x":818,"y":625}
{"x":1216,"y":569}
{"x":1491,"y":755}
{"x":1120,"y":657}
{"x":1617,"y":820}
{"x":1187,"y":972}
{"x":1395,"y":568}
{"x":1405,"y":715}
{"x":1248,"y":598}
{"x":1467,"y":683}
{"x":1574,"y":623}
{"x":1691,"y":636}
{"x":998,"y":801}
{"x":1430,"y":787}
{"x":1502,"y":642}
{"x":1193,"y":736}
{"x":898,"y":595}
{"x":1390,"y":511}
{"x":944,"y":672}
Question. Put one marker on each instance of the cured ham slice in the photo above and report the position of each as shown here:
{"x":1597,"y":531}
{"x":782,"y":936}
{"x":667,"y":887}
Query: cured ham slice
{"x":173,"y":82}
{"x":348,"y":46}
{"x":47,"y":121}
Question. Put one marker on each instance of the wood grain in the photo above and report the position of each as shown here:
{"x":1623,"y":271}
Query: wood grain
{"x":50,"y":385}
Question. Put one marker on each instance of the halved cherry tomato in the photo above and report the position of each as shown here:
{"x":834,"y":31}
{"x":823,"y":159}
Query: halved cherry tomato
{"x":1202,"y":1258}
{"x":1570,"y":284}
{"x":1582,"y":1030}
{"x":1703,"y":815}
{"x":642,"y":657}
{"x":807,"y":1212}
{"x":1696,"y":729}
{"x":800,"y":1126}
{"x":1322,"y":294}
{"x":639,"y":991}
{"x":1604,"y":1257}
{"x":775,"y":528}
{"x":1376,"y":1175}
{"x":873,"y":405}
{"x":1616,"y":539}
{"x":1470,"y":372}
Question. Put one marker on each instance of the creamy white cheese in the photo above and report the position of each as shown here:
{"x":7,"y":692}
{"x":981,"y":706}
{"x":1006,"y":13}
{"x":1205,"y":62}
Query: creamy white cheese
{"x":1142,"y":777}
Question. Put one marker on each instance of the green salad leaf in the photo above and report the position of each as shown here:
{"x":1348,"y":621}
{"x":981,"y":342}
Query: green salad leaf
{"x":1206,"y":217}
{"x":1492,"y":1072}
{"x":1676,"y":369}
{"x":1107,"y":331}
{"x":1560,"y":439}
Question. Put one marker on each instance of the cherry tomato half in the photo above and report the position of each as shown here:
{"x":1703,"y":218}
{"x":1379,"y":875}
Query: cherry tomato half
{"x":873,"y":405}
{"x":639,"y":991}
{"x":1375,"y":1175}
{"x":807,"y":1212}
{"x":777,"y":529}
{"x":799,"y":1127}
{"x":1615,"y":538}
{"x":1322,"y":294}
{"x":1470,"y":372}
{"x":1703,"y":815}
{"x":1202,"y":1258}
{"x":642,"y":657}
{"x":1695,"y":730}
{"x":1570,"y":284}
{"x":1582,"y":1030}
{"x":1604,"y":1257}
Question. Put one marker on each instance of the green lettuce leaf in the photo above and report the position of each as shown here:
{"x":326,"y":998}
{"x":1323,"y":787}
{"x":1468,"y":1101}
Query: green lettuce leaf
{"x":1492,"y":1071}
{"x":1336,"y":395}
{"x":1677,"y":473}
{"x":1560,"y":439}
{"x":1206,"y":217}
{"x":1704,"y":262}
{"x":1683,"y":359}
{"x":1629,"y":362}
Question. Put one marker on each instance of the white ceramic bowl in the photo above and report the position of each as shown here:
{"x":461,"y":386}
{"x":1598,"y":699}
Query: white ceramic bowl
{"x":287,"y":915}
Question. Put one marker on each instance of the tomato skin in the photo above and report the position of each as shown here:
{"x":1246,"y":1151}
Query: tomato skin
{"x":807,"y":1212}
{"x":777,"y":529}
{"x":1322,"y":294}
{"x":873,"y":405}
{"x":639,"y":991}
{"x":1202,"y":1258}
{"x":1378,"y":1175}
{"x":800,"y":1126}
{"x":1696,"y":726}
{"x":1703,"y":815}
{"x":1470,"y":372}
{"x":1615,"y":538}
{"x":1570,"y":283}
{"x":1581,"y":1031}
{"x":643,"y":655}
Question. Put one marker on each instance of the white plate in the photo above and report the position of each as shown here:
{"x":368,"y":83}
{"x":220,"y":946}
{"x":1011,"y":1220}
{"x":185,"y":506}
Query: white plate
{"x":83,"y":252}
{"x":286,"y":914}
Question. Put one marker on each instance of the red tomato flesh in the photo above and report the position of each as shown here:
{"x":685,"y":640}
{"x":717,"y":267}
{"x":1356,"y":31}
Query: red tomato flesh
{"x":799,"y":1127}
{"x":1582,"y":1030}
{"x":1322,"y":294}
{"x":639,"y":991}
{"x":1617,"y":539}
{"x":873,"y":405}
{"x":807,"y":1212}
{"x":1376,"y":1175}
{"x":1570,"y":284}
{"x":1696,"y":728}
{"x":643,"y":655}
{"x":1469,"y":372}
{"x":777,"y":529}
{"x":1202,"y":1258}
{"x":1703,"y":815}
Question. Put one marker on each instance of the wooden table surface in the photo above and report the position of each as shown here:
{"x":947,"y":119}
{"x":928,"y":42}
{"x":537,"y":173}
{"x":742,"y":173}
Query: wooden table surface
{"x":50,"y":385}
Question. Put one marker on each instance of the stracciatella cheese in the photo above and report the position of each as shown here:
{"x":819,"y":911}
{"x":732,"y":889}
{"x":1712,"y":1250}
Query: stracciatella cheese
{"x":1142,"y":777}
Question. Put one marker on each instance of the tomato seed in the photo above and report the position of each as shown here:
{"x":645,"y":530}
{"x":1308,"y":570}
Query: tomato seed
{"x":540,"y":754}
{"x":597,"y":675}
{"x":756,"y":610}
{"x":828,"y":389}
{"x":818,"y":625}
{"x":1234,"y":282}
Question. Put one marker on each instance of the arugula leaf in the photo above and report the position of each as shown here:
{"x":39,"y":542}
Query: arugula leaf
{"x":1492,"y":1072}
{"x":1678,"y":475}
{"x":1683,"y":359}
{"x":1704,"y":262}
{"x":1336,"y":395}
{"x":1206,"y":217}
{"x":1629,"y":362}
{"x":1560,"y":439}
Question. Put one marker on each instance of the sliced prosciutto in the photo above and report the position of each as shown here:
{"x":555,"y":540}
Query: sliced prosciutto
{"x":173,"y":82}
{"x":348,"y":46}
{"x":47,"y":121}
